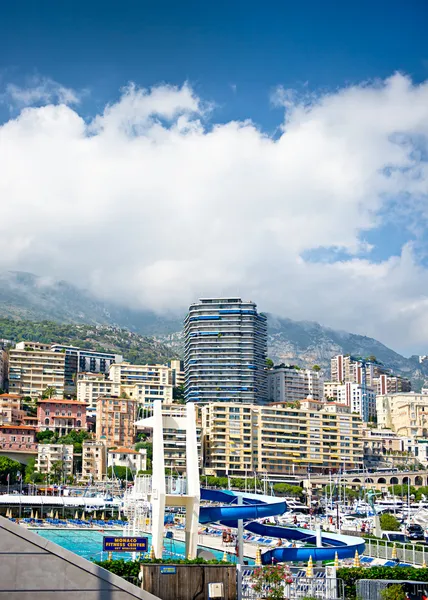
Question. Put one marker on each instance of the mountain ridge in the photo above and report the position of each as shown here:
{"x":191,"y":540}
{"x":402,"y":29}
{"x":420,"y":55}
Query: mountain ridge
{"x":25,"y":296}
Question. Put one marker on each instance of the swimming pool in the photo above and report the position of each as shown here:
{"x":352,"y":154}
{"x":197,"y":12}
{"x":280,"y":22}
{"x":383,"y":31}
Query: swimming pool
{"x":89,"y":544}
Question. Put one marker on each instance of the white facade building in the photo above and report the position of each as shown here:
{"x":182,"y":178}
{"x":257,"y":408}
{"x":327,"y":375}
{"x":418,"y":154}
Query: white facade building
{"x":145,"y":383}
{"x":49,"y":454}
{"x":351,"y":394}
{"x":131,"y":459}
{"x":289,"y":383}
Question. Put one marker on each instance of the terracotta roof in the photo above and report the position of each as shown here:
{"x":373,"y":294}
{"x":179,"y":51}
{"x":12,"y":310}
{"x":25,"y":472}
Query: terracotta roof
{"x":10,"y":396}
{"x":123,"y":451}
{"x":60,"y":401}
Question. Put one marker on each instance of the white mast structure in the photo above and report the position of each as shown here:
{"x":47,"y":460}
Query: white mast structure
{"x":175,"y":494}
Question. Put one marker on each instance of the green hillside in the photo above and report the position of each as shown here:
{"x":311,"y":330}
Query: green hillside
{"x":135,"y":348}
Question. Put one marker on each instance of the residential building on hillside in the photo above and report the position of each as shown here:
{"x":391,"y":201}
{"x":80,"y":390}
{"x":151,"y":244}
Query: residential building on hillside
{"x":225,"y":352}
{"x":78,"y":360}
{"x":351,"y":394}
{"x":18,"y":438}
{"x":346,"y":369}
{"x":61,"y":416}
{"x":380,"y":446}
{"x":33,"y":367}
{"x":10,"y":410}
{"x":129,"y":458}
{"x":90,"y":386}
{"x":115,"y":421}
{"x":177,"y":372}
{"x":406,"y":414}
{"x":4,"y":371}
{"x":330,"y":389}
{"x":145,"y":383}
{"x":94,"y":464}
{"x":391,"y":384}
{"x":279,"y":440}
{"x":287,"y":383}
{"x":55,"y":457}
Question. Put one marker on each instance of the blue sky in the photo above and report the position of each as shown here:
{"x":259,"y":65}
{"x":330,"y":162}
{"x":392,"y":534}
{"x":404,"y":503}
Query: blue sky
{"x":216,"y":46}
{"x":211,"y":139}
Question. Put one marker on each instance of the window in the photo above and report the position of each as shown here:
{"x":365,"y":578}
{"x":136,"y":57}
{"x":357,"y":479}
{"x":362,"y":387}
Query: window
{"x":46,"y":421}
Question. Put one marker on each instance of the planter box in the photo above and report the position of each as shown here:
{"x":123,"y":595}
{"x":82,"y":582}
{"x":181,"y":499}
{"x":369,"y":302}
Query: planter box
{"x":181,"y":582}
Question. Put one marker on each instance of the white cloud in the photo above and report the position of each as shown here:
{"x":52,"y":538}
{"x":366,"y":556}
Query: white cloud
{"x":39,"y":91}
{"x":150,"y":206}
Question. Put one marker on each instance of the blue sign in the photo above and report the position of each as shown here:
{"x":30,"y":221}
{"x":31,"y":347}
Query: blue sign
{"x":125,"y":544}
{"x":168,"y":570}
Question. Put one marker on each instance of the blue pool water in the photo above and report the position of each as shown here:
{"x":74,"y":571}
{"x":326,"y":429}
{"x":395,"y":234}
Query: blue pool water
{"x":89,"y":544}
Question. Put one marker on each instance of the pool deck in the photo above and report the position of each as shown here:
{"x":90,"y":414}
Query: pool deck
{"x":216,"y":543}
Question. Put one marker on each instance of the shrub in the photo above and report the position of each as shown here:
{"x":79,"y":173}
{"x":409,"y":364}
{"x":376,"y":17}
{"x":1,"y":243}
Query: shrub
{"x":351,"y":576}
{"x":389,"y":522}
{"x":393,"y":592}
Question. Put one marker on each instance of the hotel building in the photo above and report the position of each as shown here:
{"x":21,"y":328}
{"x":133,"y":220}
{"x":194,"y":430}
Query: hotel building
{"x":225,"y":352}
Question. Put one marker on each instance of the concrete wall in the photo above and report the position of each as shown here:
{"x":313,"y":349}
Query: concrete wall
{"x":32,"y":568}
{"x":189,"y":581}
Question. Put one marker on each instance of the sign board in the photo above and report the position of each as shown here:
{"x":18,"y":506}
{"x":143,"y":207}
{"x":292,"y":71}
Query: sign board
{"x":125,"y":544}
{"x":168,"y":570}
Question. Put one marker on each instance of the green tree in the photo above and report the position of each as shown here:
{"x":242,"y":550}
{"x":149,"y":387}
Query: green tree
{"x":389,"y":522}
{"x":269,"y":363}
{"x":120,"y":473}
{"x":316,"y":368}
{"x":285,"y":489}
{"x":9,"y":467}
{"x":46,"y":437}
{"x":31,"y":475}
{"x":75,"y":438}
{"x":394,"y":592}
{"x":402,"y":490}
{"x":372,"y":358}
{"x":148,"y":447}
{"x":49,"y":392}
{"x":178,"y":394}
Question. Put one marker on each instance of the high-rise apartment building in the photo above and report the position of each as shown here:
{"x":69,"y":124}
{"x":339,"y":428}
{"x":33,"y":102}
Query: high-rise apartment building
{"x":351,"y":394}
{"x":346,"y":369}
{"x":115,"y":421}
{"x":279,"y":440}
{"x":225,"y":352}
{"x":78,"y":360}
{"x":33,"y":367}
{"x":288,"y":383}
